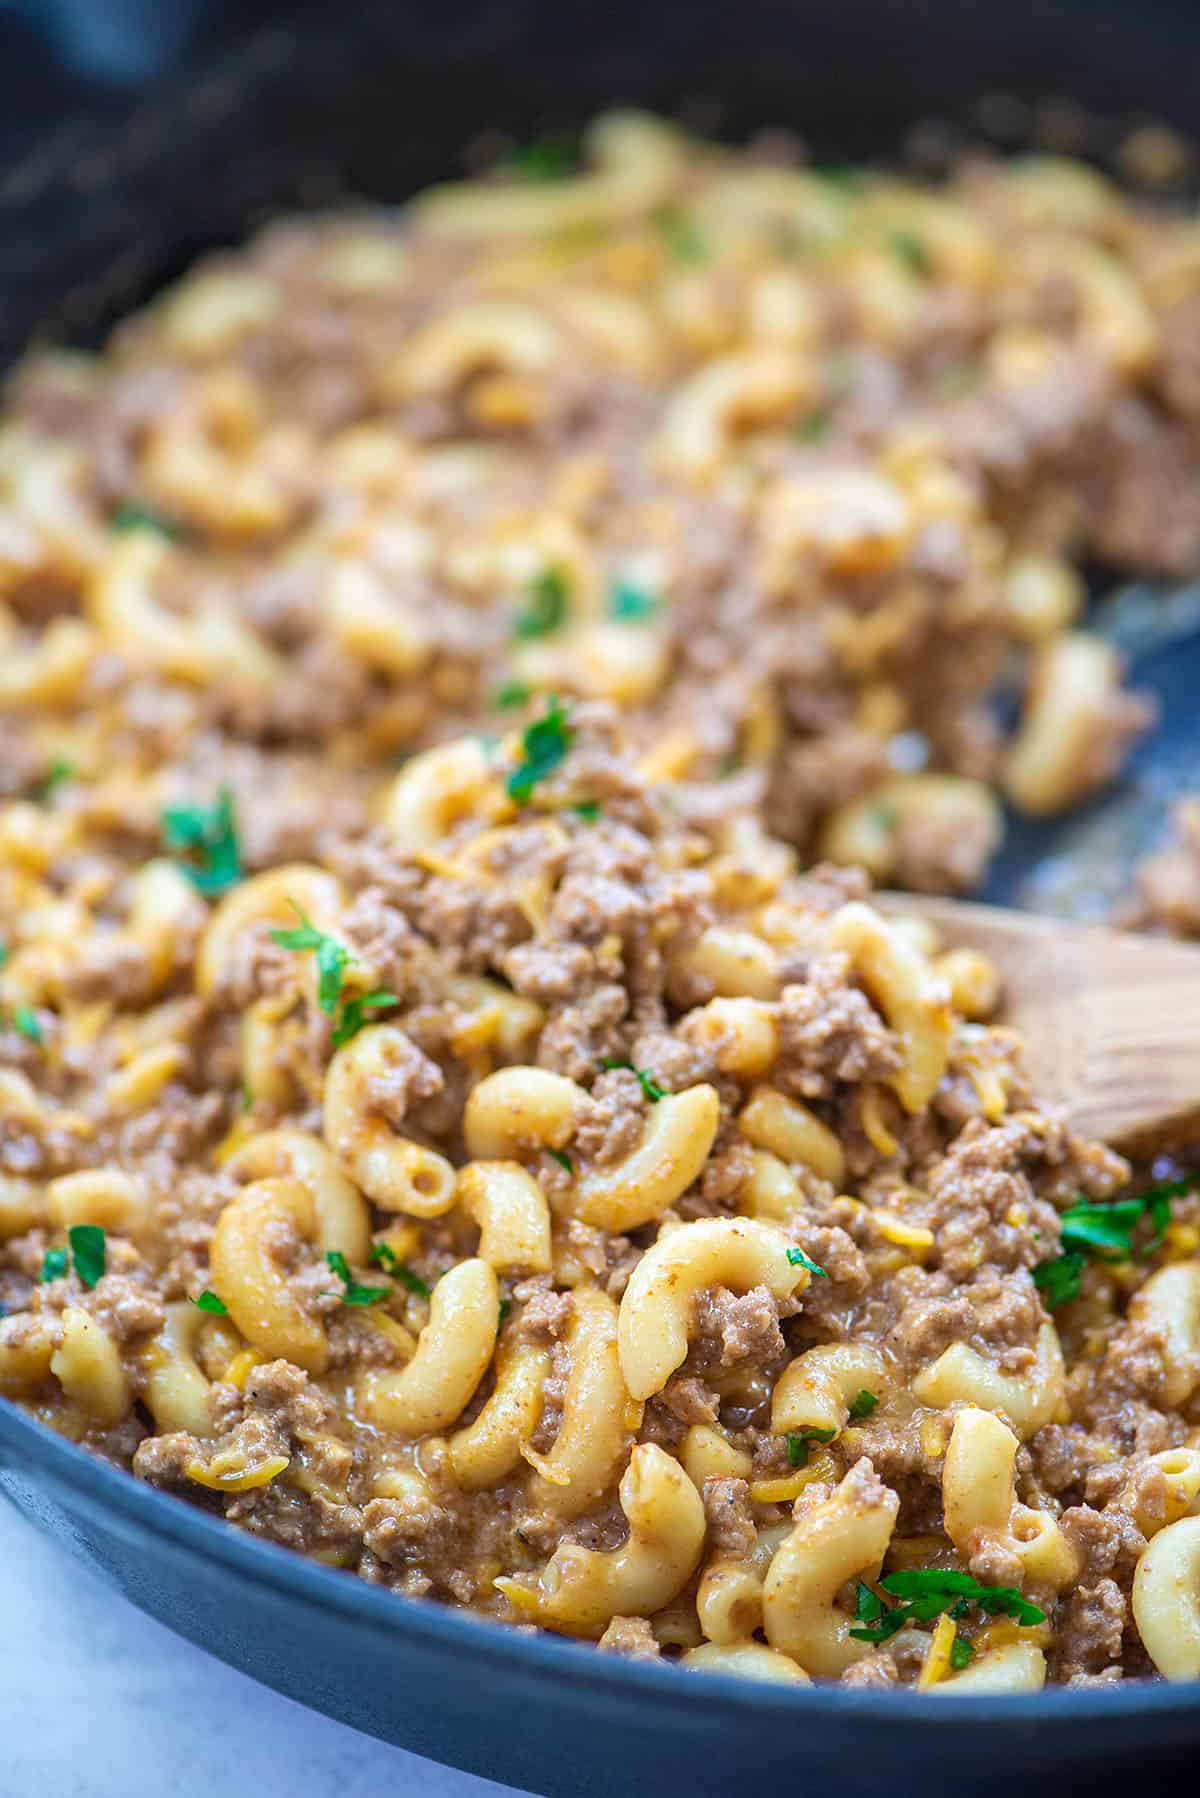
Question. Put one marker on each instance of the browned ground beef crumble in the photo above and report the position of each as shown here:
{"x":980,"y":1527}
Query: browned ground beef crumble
{"x":749,"y":502}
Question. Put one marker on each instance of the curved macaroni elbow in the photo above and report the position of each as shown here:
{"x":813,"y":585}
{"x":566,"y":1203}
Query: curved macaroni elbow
{"x":487,"y":1451}
{"x":659,"y":1301}
{"x":509,"y":1206}
{"x":1166,"y":1599}
{"x":914,"y":1001}
{"x":1013,"y":1667}
{"x":397,"y":1173}
{"x":680,"y":1131}
{"x":453,"y":1352}
{"x":844,"y":1538}
{"x":962,"y":1376}
{"x":817,"y":1389}
{"x":593,"y":1435}
{"x":583,"y":1589}
{"x":246,"y":1269}
{"x":87,"y":1365}
{"x":518,"y":1109}
{"x":1169,"y":1303}
{"x":746,"y":1659}
{"x":980,"y":1505}
{"x":177,"y":1391}
{"x":343,"y":1216}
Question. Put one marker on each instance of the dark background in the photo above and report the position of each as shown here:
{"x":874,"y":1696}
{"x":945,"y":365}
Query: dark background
{"x":134,"y":133}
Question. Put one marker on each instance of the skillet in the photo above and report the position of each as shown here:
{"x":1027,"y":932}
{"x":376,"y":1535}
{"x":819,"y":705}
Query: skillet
{"x":118,"y":168}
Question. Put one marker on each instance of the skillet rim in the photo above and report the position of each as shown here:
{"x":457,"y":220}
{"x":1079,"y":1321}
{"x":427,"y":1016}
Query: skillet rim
{"x":204,"y":1538}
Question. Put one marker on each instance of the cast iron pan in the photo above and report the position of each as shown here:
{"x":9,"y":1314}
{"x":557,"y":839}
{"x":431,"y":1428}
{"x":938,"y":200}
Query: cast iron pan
{"x":135,"y":135}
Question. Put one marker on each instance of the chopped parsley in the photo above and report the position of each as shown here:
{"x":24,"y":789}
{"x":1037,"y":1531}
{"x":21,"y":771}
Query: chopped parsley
{"x":25,"y":1020}
{"x":798,"y":1441}
{"x":549,"y":158}
{"x":814,"y":427}
{"x":729,"y":764}
{"x":207,"y":836}
{"x":863,"y":1403}
{"x":89,"y":1252}
{"x":649,"y":1085}
{"x":631,"y":604}
{"x":680,"y":234}
{"x":354,"y":1294}
{"x":911,"y":251}
{"x":589,"y":811}
{"x":961,"y":1654}
{"x":1104,"y":1231}
{"x":798,"y":1258}
{"x":511,"y":695}
{"x":61,"y":770}
{"x":332,"y":957}
{"x":384,"y":1255}
{"x":208,"y":1301}
{"x":54,"y":1266}
{"x":247,"y":1097}
{"x":354,"y":1013}
{"x":924,"y":1593}
{"x":546,"y":612}
{"x":505,"y":1308}
{"x":4,"y":953}
{"x":543,"y":749}
{"x":135,"y":517}
{"x":841,"y":174}
{"x":563,"y":1159}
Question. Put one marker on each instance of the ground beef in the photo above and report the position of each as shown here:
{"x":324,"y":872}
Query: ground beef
{"x":828,"y":1031}
{"x":744,"y":1327}
{"x":731,"y":1528}
{"x":631,"y":1636}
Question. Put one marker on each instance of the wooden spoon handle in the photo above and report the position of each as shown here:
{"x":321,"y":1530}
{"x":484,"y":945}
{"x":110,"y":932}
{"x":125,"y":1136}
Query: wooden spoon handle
{"x":1111,"y":1021}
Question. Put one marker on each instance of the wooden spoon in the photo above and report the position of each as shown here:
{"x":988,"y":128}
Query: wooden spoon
{"x":1111,"y":1021}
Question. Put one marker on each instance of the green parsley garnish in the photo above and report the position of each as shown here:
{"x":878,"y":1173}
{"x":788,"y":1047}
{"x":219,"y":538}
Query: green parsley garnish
{"x":909,"y":248}
{"x":630,"y":604}
{"x":798,"y":1258}
{"x":208,"y":1301}
{"x":547,"y":608}
{"x":384,"y":1255}
{"x":247,"y":1097}
{"x":798,"y":1441}
{"x":863,"y":1403}
{"x":649,"y":1085}
{"x":54,"y":1266}
{"x":1104,"y":1230}
{"x":332,"y":957}
{"x":353,"y":1014}
{"x":589,"y":811}
{"x":4,"y":953}
{"x":563,"y":1159}
{"x":841,"y":174}
{"x":815,"y":426}
{"x":543,"y":749}
{"x":59,"y":772}
{"x":549,"y":158}
{"x":89,"y":1251}
{"x":961,"y":1653}
{"x":729,"y":764}
{"x":207,"y":836}
{"x":512,"y":694}
{"x":354,"y":1294}
{"x":134,"y":517}
{"x":25,"y":1020}
{"x":505,"y":1308}
{"x":924,"y":1593}
{"x":681,"y":235}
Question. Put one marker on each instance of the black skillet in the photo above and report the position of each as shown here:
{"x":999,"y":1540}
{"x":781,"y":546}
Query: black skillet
{"x":133,"y":135}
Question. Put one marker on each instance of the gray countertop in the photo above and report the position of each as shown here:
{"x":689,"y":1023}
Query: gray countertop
{"x":101,"y":1700}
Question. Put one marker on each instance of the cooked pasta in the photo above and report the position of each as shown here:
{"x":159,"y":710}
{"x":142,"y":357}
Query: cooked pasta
{"x":441,"y":1130}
